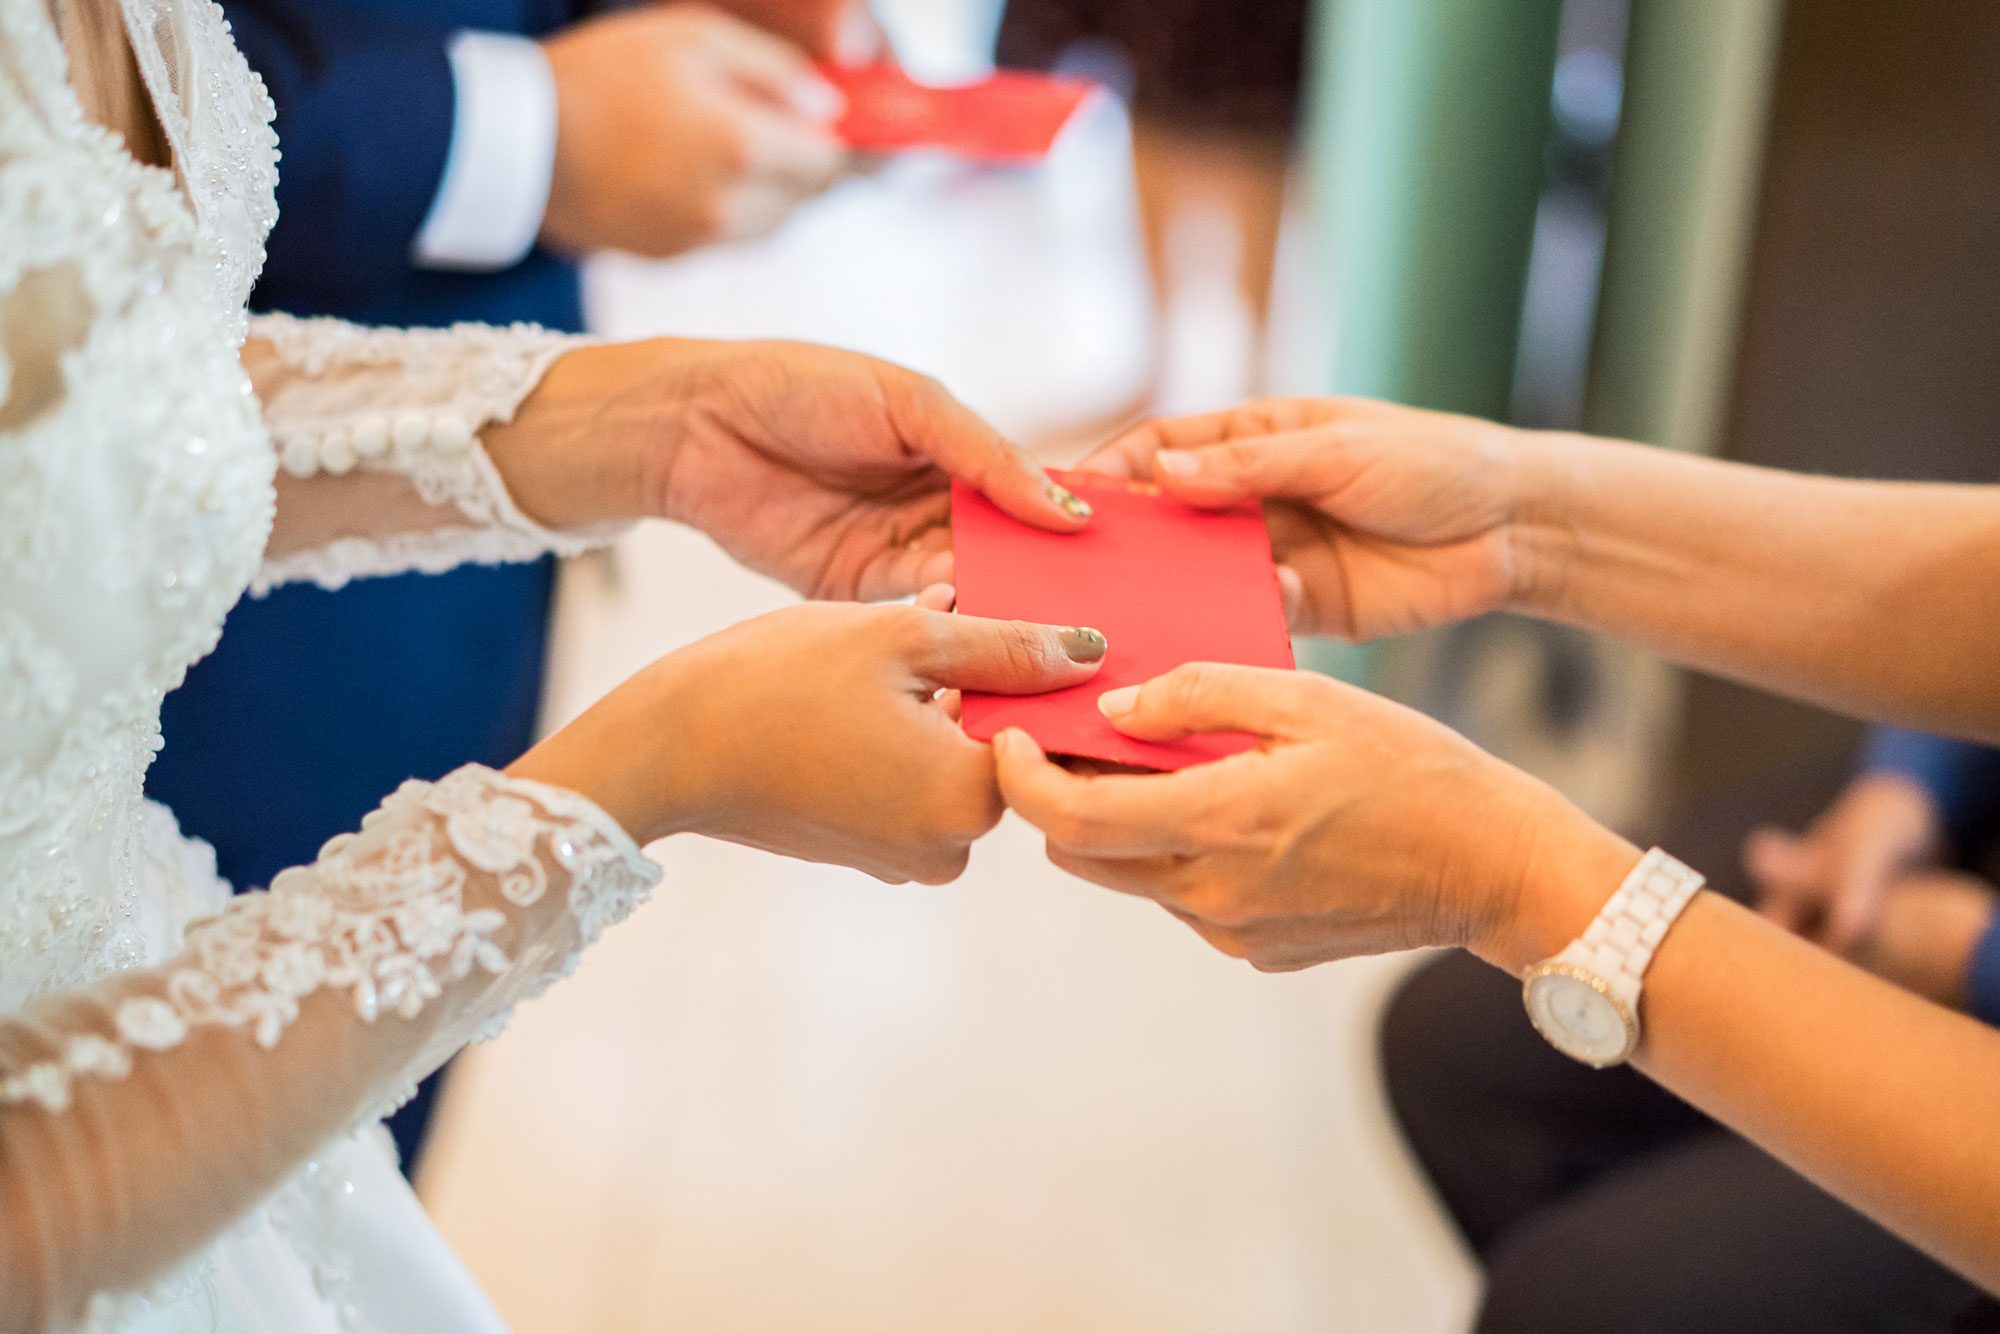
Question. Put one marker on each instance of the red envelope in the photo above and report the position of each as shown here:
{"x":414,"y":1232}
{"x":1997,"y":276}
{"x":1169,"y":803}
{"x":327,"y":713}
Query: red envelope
{"x":1010,"y":117}
{"x":1165,"y":582}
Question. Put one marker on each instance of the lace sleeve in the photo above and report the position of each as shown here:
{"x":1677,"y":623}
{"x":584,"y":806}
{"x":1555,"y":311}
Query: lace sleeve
{"x":377,"y":433}
{"x":139,"y":1118}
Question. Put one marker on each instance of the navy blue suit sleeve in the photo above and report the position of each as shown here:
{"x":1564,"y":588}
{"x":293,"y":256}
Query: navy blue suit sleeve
{"x":364,"y":108}
{"x":1982,"y":981}
{"x":1962,"y":777}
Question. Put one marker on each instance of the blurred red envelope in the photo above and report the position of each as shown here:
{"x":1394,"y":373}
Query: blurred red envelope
{"x":1165,"y":582}
{"x":1009,"y":117}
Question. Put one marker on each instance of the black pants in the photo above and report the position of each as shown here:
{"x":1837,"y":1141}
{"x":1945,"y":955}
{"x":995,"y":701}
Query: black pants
{"x":1603,"y":1205}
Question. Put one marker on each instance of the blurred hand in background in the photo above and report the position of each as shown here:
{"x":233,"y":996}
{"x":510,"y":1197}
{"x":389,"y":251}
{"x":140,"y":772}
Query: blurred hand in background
{"x":1925,"y":930}
{"x":678,"y":126}
{"x":1829,"y":882}
{"x":838,"y":30}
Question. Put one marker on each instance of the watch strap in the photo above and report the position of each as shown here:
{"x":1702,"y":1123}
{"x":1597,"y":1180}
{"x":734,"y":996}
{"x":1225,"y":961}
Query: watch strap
{"x":1619,"y":943}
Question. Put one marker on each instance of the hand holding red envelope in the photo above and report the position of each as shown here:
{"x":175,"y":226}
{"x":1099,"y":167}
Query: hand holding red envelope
{"x":1166,"y":583}
{"x":1009,"y":117}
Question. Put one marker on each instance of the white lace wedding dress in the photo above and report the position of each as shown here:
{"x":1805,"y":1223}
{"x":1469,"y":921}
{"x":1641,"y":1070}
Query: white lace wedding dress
{"x":181,"y":1074}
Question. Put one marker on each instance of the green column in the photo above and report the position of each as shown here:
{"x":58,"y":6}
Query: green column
{"x":1690,"y":141}
{"x":1428,"y":123}
{"x":1430,"y":119}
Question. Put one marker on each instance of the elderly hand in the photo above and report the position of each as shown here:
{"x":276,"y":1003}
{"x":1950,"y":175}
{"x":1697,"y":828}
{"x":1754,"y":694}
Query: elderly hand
{"x":1356,"y":826}
{"x":817,"y":732}
{"x":825,"y":469}
{"x":1383,"y":518}
{"x":680,"y":126}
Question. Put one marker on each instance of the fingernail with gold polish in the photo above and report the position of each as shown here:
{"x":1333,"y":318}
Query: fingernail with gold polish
{"x":1066,"y":500}
{"x":1080,"y":643}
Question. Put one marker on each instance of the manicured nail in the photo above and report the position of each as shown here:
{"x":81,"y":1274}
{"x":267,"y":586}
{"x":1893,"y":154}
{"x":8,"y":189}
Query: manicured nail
{"x":1080,"y":643}
{"x":1117,"y":703}
{"x":1175,"y":464}
{"x":1066,"y":500}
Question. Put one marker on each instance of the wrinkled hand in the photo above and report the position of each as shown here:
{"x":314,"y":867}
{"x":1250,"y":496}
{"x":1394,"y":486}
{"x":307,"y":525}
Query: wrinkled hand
{"x":1383,"y":518}
{"x":1829,"y":883}
{"x":816,"y":732}
{"x":825,"y":469}
{"x":680,"y":126}
{"x":1924,"y":931}
{"x":1356,"y":826}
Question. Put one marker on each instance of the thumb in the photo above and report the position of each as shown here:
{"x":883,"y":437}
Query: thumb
{"x":1003,"y":657}
{"x":1292,"y":463}
{"x":1215,"y":697}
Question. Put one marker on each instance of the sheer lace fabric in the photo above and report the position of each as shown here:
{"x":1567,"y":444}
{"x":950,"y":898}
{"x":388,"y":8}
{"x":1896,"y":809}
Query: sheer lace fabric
{"x":159,"y":1081}
{"x":402,"y":404}
{"x":164,"y":1101}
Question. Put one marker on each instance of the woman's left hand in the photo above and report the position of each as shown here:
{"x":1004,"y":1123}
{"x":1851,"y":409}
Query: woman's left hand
{"x":822,"y":468}
{"x":1356,"y":826}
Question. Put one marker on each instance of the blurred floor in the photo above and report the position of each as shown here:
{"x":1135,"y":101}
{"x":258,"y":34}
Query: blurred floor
{"x":786,"y":1097}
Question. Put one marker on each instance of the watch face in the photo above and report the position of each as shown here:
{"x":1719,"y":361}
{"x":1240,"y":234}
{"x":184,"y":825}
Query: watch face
{"x":1578,"y":1018}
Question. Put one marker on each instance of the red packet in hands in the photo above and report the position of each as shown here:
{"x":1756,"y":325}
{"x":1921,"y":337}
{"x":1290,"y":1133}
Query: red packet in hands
{"x":1165,"y":582}
{"x":1009,"y":117}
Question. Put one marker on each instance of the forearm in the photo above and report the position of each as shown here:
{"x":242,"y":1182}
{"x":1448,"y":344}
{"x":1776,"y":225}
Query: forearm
{"x":423,"y":449}
{"x":1884,"y":1099}
{"x":288,"y":1017}
{"x":1880,"y":599}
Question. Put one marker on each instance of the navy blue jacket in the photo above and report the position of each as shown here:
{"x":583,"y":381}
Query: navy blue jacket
{"x":364,"y":100}
{"x":316,"y":705}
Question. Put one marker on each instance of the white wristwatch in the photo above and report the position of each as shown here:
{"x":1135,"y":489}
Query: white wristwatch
{"x":1585,"y":1001}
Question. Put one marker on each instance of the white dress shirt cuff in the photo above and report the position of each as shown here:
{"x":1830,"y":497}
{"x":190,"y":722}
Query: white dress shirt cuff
{"x":489,"y":205}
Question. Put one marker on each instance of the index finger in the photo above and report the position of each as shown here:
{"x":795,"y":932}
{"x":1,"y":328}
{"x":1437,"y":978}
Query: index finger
{"x":933,"y":426}
{"x":1110,"y":816}
{"x":1130,"y":453}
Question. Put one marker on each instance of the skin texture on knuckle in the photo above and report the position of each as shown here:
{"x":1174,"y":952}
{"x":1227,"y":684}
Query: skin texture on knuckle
{"x":1180,"y":692}
{"x":1218,"y":903}
{"x":915,"y":636}
{"x":941,"y":866}
{"x":1072,"y":824}
{"x":1031,"y":652}
{"x":1238,"y":459}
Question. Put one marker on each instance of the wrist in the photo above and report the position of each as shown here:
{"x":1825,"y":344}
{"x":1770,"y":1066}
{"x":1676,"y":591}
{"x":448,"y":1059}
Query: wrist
{"x":1567,"y":868}
{"x":587,"y":445}
{"x":566,"y":225}
{"x":631,"y":754}
{"x":1543,"y":536}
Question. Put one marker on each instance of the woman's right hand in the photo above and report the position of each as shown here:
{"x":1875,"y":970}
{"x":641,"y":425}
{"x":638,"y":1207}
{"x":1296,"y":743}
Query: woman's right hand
{"x":1354,"y":826}
{"x":1383,"y":518}
{"x":816,"y":732}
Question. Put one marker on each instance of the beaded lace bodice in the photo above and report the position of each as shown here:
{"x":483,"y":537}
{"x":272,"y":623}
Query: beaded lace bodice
{"x":137,"y":467}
